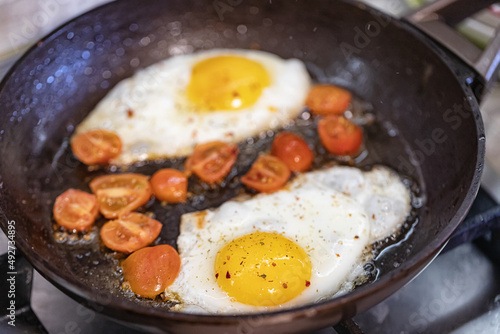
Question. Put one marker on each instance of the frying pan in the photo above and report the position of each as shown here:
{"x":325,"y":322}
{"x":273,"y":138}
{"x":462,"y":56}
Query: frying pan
{"x":428,"y":127}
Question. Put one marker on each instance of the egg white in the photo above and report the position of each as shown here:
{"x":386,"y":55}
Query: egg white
{"x":150,"y":112}
{"x":315,"y":210}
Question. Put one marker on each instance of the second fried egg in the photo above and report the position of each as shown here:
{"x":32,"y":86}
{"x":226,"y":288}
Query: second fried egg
{"x":296,"y":246}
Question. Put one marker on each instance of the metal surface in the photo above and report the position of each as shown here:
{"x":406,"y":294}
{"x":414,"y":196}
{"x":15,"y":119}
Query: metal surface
{"x":56,"y":84}
{"x":457,"y":288}
{"x":484,"y":217}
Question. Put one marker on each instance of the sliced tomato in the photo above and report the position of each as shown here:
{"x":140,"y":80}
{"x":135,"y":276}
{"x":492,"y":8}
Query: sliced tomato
{"x":130,"y":232}
{"x":212,"y":161}
{"x":267,"y":174}
{"x":120,"y":193}
{"x":170,"y":185}
{"x":293,"y":151}
{"x":152,"y":269}
{"x":339,"y":135}
{"x":96,"y":146}
{"x":76,"y":210}
{"x":328,"y":99}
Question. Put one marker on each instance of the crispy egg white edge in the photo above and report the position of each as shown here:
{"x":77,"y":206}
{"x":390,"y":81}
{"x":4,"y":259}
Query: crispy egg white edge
{"x":334,"y":182}
{"x":385,"y":198}
{"x":155,"y":95}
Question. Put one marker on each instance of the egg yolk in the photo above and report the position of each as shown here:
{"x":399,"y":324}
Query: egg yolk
{"x":262,"y":269}
{"x":226,"y":83}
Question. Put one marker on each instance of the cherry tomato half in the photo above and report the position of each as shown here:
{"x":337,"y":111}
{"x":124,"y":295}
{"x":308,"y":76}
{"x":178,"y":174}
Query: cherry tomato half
{"x":267,"y":174}
{"x":130,"y":232}
{"x":211,"y":162}
{"x":120,"y":193}
{"x":170,"y":185}
{"x":75,"y":210}
{"x":293,"y":151}
{"x":339,"y":135}
{"x":96,"y":146}
{"x":150,"y":270}
{"x":328,"y":99}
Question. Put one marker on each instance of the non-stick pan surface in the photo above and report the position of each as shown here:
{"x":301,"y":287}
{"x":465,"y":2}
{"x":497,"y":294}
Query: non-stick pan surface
{"x":427,"y":127}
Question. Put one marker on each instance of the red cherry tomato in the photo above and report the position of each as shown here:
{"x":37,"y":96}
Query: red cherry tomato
{"x":267,"y":174}
{"x":75,"y":210}
{"x":130,"y":232}
{"x":293,"y":151}
{"x":96,"y":146}
{"x":328,"y":99}
{"x":211,"y":162}
{"x":150,"y":270}
{"x":170,"y":185}
{"x":339,"y":135}
{"x":120,"y":193}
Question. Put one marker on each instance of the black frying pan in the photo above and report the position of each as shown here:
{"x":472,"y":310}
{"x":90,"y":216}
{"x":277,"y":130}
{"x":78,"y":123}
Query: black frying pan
{"x":413,"y":85}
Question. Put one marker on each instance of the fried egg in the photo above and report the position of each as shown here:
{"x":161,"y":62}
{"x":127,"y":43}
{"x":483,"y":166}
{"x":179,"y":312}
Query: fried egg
{"x":293,"y":247}
{"x":164,"y":110}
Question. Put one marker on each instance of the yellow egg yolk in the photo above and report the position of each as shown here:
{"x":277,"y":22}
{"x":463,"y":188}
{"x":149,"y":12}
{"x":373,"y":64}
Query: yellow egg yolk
{"x":262,"y":269}
{"x":226,"y":83}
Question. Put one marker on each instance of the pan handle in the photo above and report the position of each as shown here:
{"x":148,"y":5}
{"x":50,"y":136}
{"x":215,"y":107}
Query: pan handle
{"x":436,"y":20}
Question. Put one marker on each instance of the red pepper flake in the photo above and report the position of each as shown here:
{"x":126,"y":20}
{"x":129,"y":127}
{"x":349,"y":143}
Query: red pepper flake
{"x":228,"y":257}
{"x":274,"y":264}
{"x":130,"y":113}
{"x":228,"y":276}
{"x":285,"y":286}
{"x":308,"y":283}
{"x":373,"y":216}
{"x":216,"y":275}
{"x":338,"y":255}
{"x":356,"y":237}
